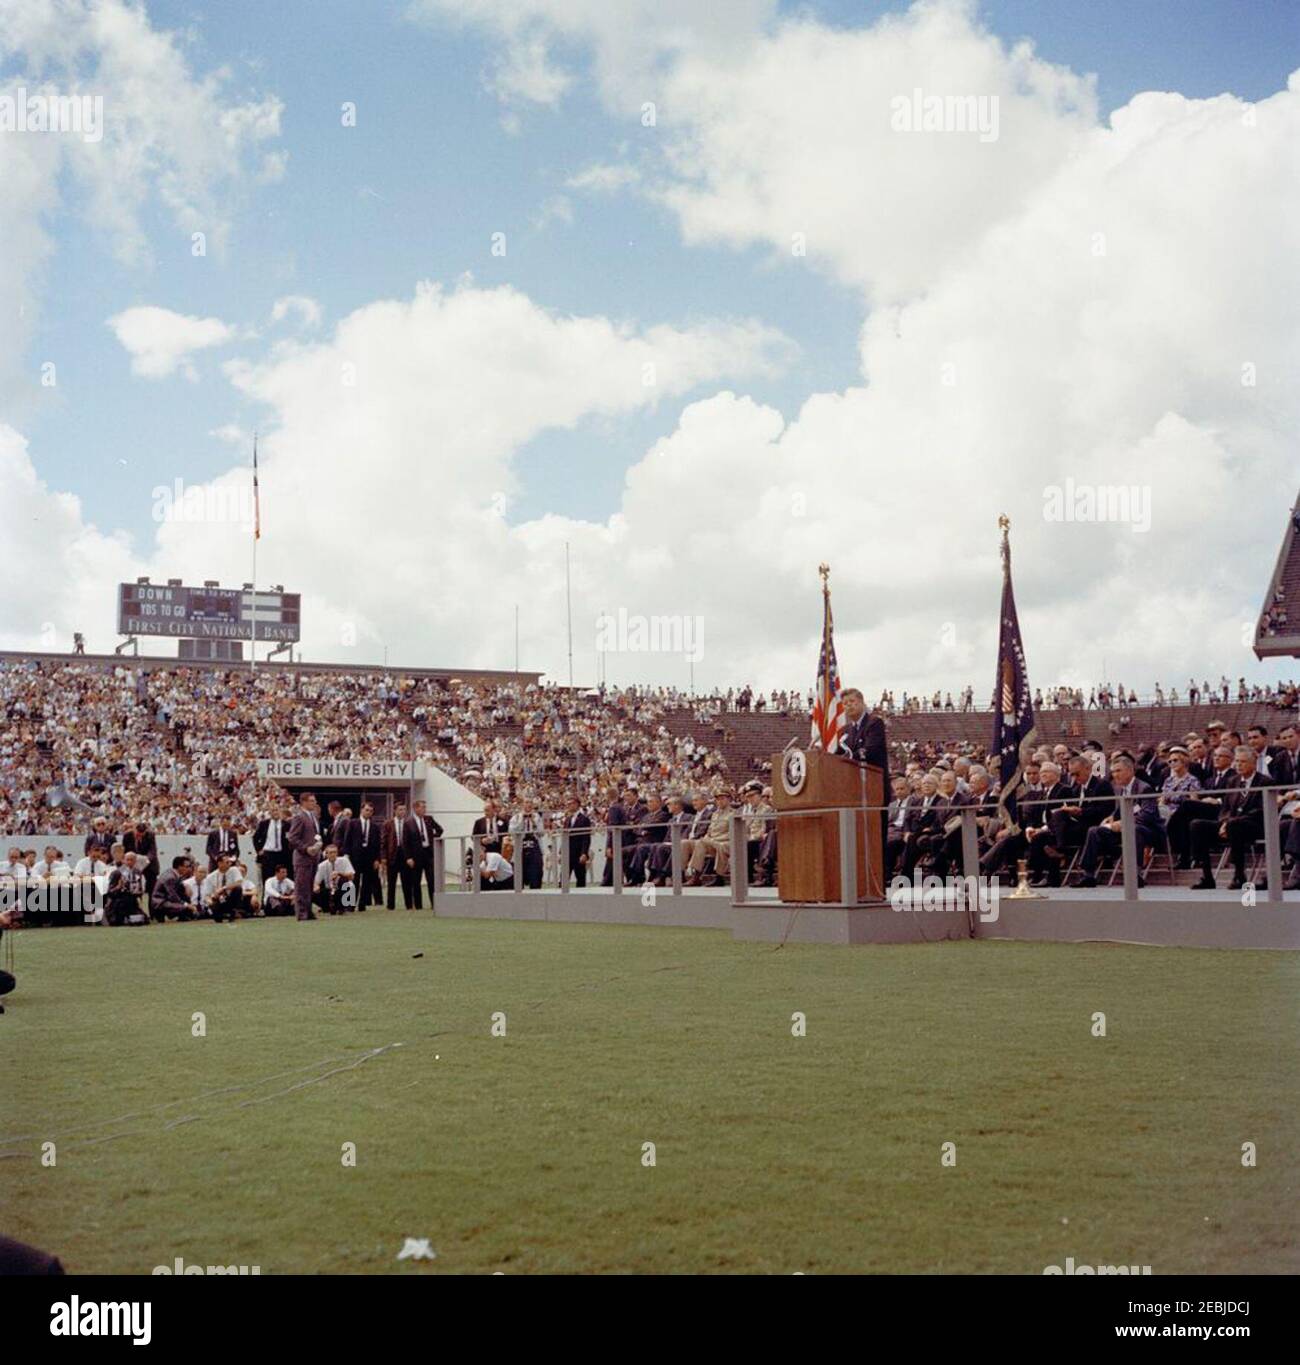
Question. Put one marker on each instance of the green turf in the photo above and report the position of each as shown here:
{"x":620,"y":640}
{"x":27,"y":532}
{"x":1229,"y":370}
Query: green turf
{"x":524,"y":1153}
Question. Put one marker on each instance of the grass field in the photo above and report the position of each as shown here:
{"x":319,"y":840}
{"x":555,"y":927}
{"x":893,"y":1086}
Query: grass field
{"x":774,"y":1153}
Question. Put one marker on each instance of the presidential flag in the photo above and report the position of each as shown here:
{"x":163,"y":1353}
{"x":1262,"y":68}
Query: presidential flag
{"x":1013,"y":708}
{"x":828,"y":703}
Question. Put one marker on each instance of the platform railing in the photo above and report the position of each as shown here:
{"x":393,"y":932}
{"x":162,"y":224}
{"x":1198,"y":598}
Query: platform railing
{"x":607,"y":846}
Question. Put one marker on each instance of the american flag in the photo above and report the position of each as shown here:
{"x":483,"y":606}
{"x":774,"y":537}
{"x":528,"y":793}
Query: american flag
{"x":257,"y":500}
{"x":828,"y":705}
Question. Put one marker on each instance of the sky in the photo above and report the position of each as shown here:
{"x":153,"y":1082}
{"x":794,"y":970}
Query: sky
{"x":678,"y":287}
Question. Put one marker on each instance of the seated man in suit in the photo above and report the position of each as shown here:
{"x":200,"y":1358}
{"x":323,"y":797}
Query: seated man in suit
{"x":895,"y":817}
{"x":921,"y":820}
{"x":1092,"y":802}
{"x":1045,"y":860}
{"x":694,"y":833}
{"x":1242,"y":822}
{"x":1104,"y":839}
{"x":652,"y":830}
{"x":661,"y":855}
{"x":1006,"y":841}
{"x":942,"y":840}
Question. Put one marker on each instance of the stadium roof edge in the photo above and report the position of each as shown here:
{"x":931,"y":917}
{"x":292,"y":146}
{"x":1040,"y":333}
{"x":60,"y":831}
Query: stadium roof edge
{"x":1279,"y":646}
{"x":155,"y":661}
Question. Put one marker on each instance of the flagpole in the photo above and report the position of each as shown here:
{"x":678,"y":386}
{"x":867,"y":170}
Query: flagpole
{"x":825,"y":571}
{"x":257,"y":531}
{"x":568,"y":598}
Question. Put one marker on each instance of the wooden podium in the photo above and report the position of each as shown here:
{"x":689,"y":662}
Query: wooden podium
{"x":808,"y":847}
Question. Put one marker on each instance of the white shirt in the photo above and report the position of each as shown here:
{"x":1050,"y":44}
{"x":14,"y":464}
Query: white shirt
{"x":274,"y":837}
{"x":495,"y":868}
{"x":341,"y":864}
{"x":280,"y":886}
{"x":85,"y":868}
{"x":213,"y":883}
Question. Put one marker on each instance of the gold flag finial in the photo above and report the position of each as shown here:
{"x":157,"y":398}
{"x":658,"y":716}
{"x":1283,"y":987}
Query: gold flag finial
{"x":825,"y":571}
{"x":1004,"y":523}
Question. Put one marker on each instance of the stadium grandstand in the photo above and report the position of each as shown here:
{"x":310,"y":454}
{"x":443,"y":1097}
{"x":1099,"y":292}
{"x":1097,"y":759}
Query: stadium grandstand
{"x":177,"y":744}
{"x":1278,"y":634}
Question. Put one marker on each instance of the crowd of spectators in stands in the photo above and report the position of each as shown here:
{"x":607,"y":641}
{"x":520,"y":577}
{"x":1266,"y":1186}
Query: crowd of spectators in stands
{"x":142,"y":752}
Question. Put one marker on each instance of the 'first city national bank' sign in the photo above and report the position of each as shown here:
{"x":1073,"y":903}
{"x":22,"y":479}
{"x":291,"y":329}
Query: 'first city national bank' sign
{"x":304,"y":770}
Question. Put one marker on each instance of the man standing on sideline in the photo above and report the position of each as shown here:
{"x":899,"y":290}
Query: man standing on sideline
{"x":526,"y":826}
{"x":491,"y":826}
{"x":141,"y":841}
{"x":418,"y":834}
{"x":393,"y":859}
{"x":615,"y":815}
{"x":362,"y":852}
{"x":578,"y":824}
{"x":269,"y":842}
{"x":305,"y":840}
{"x":223,"y":842}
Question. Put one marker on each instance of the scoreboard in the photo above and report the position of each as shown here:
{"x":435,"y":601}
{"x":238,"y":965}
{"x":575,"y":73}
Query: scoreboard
{"x":208,"y":613}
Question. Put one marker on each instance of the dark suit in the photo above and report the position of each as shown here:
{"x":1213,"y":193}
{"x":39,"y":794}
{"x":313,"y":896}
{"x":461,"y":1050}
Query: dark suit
{"x":104,"y":841}
{"x":491,"y":837}
{"x":1071,"y":831}
{"x":418,"y":834}
{"x":616,"y":815}
{"x":579,"y":826}
{"x":304,"y":831}
{"x":221,"y":841}
{"x":864,"y":740}
{"x":1243,"y":815}
{"x":1286,"y":768}
{"x":145,"y":847}
{"x":1100,"y":842}
{"x":169,"y":898}
{"x":268,"y":861}
{"x":652,"y":830}
{"x":391,"y":848}
{"x":363,"y":850}
{"x":1036,"y":820}
{"x":919,"y":823}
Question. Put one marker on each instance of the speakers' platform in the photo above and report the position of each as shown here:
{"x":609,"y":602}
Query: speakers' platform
{"x":1164,"y":917}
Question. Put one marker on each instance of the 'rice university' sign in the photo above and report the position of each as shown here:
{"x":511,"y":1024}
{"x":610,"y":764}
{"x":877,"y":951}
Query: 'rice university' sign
{"x":305,"y":770}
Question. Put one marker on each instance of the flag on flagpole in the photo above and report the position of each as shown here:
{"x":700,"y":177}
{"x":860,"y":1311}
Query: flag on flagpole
{"x":828,"y":704}
{"x":257,"y":498}
{"x":1013,"y":707}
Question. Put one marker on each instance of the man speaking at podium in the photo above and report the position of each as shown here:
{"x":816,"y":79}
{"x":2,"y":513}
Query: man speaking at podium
{"x":864,"y":735}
